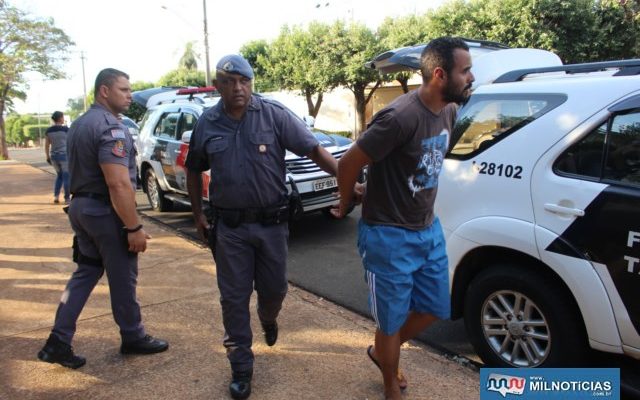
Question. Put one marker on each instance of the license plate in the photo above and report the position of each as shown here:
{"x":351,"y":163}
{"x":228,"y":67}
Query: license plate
{"x":322,"y":184}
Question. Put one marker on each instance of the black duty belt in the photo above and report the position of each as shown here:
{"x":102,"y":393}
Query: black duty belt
{"x":96,"y":196}
{"x":233,"y":217}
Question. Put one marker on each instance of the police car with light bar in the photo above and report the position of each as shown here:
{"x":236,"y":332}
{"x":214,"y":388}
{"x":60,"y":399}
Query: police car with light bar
{"x":539,"y":198}
{"x":163,"y":144}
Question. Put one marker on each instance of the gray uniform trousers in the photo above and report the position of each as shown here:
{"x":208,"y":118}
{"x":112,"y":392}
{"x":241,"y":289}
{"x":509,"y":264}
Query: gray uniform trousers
{"x":246,"y":254}
{"x":99,"y":232}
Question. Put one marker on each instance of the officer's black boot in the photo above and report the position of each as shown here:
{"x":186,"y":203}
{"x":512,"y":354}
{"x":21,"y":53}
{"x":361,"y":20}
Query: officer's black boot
{"x":56,"y":351}
{"x":240,"y":386}
{"x":270,"y":331}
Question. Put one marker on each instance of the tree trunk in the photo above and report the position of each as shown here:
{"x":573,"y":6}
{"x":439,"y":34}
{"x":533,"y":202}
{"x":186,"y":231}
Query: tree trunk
{"x":404,"y":83}
{"x":313,"y":109}
{"x":4,"y":152}
{"x":361,"y":104}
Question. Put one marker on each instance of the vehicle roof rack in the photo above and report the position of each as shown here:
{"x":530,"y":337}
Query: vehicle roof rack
{"x":627,"y":67}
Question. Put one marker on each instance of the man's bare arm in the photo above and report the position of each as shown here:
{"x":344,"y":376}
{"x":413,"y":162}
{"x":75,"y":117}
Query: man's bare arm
{"x":194,"y":187}
{"x":349,"y":168}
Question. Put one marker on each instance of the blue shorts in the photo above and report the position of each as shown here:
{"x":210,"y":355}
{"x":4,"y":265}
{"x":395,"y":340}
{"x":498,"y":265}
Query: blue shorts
{"x":406,"y":271}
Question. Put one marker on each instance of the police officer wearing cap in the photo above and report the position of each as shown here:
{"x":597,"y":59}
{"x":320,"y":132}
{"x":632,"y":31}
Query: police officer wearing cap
{"x":243,"y":139}
{"x":108,"y":232}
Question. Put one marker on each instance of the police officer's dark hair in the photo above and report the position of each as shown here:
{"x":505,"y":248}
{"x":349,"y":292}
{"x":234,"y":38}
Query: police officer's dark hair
{"x":107,"y":77}
{"x":57,"y":115}
{"x":439,"y":53}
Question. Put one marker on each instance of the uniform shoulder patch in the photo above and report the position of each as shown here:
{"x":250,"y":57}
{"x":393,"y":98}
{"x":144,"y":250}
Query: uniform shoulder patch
{"x":118,"y":148}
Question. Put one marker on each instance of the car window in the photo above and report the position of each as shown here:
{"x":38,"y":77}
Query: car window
{"x":145,"y":119}
{"x":167,"y":125}
{"x":187,"y":123}
{"x":585,"y":157}
{"x":611,"y":152}
{"x":487,"y":119}
{"x":623,"y":155}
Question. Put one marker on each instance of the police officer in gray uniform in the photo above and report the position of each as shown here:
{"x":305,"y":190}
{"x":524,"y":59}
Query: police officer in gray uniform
{"x":108,"y":232}
{"x":243,"y":139}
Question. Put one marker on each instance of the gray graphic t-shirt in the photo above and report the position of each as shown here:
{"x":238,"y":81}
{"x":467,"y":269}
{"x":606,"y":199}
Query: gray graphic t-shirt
{"x":407,"y":143}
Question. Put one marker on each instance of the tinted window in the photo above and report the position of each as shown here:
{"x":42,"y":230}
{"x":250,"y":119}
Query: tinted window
{"x":606,"y":154}
{"x":585,"y":157}
{"x":167,"y":125}
{"x":623,"y":155}
{"x":487,"y":119}
{"x":188,"y":121}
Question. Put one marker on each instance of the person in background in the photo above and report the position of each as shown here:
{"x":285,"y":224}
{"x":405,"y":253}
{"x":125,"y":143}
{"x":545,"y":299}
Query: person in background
{"x":103,"y":215}
{"x":400,"y":240}
{"x":55,"y":150}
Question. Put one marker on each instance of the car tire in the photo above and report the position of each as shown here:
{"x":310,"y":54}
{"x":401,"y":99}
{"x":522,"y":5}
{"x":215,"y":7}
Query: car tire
{"x":155,"y":194}
{"x":517,"y":318}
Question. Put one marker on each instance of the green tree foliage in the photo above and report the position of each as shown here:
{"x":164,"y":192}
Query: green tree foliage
{"x":183,"y":77}
{"x":27,"y":44}
{"x":302,"y":60}
{"x":257,"y":53}
{"x":189,"y":59}
{"x":400,"y":32}
{"x":576,"y":30}
{"x":15,"y":128}
{"x":75,"y":107}
{"x":351,"y":46}
{"x":136,"y":111}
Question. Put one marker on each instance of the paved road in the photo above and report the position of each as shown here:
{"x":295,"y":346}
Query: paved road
{"x":323,"y":260}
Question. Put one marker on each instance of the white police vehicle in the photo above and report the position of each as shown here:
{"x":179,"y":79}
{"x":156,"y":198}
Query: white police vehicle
{"x":163,"y":145}
{"x":539,"y":198}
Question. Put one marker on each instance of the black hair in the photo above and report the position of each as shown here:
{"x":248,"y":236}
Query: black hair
{"x":439,"y":53}
{"x":57,"y":115}
{"x":107,"y":77}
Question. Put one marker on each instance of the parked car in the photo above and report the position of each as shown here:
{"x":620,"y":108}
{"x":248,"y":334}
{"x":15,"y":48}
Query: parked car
{"x":539,"y":198}
{"x":164,"y":143}
{"x":134,"y":129}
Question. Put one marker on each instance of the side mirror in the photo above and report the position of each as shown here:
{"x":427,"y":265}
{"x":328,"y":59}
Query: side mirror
{"x":309,"y":120}
{"x":186,"y":136}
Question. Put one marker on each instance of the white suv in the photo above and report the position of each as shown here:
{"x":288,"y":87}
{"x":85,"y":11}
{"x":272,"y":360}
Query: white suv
{"x":539,"y":198}
{"x":163,"y":145}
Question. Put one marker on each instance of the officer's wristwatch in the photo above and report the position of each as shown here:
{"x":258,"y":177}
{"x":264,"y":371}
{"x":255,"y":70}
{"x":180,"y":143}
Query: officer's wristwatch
{"x":132,"y":230}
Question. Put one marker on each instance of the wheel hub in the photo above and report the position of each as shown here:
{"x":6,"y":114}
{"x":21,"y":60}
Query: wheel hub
{"x":516,"y":329}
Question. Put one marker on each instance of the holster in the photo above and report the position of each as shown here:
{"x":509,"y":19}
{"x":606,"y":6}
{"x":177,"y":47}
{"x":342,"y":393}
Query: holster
{"x":80,"y":258}
{"x":295,"y":202}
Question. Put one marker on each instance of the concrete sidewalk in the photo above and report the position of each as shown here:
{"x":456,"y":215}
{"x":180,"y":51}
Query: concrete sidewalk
{"x":320,"y":353}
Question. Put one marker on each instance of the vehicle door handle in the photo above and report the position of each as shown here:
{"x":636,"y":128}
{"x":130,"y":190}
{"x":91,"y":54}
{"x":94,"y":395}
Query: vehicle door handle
{"x":556,"y":209}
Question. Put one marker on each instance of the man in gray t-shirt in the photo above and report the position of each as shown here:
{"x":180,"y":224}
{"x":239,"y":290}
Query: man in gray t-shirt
{"x":400,"y":240}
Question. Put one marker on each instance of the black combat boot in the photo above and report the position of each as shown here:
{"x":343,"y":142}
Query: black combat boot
{"x":56,"y":351}
{"x":240,"y":386}
{"x":270,"y":331}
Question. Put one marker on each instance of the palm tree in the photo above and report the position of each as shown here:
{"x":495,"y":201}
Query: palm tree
{"x":189,"y":58}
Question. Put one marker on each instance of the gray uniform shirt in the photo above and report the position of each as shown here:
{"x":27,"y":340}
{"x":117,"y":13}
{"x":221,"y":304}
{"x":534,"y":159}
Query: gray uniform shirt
{"x":246,"y":157}
{"x":57,"y":135}
{"x":97,"y":137}
{"x":407,"y":143}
